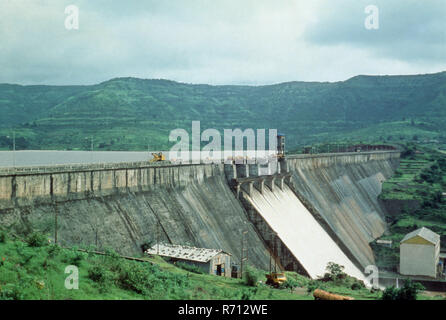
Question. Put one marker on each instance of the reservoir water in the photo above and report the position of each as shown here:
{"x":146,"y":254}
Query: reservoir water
{"x":46,"y":158}
{"x":43,"y":158}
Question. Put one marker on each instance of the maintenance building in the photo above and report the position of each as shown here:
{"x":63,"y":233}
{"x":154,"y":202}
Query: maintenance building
{"x":212,"y":261}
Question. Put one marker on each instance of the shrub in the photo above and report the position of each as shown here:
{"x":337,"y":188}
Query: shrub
{"x":398,"y":173}
{"x":248,"y":294}
{"x":408,"y":292}
{"x":73,"y":257}
{"x":390,"y":293}
{"x":11,"y":292}
{"x":250,"y":277}
{"x":98,"y":274}
{"x":312,"y":285}
{"x":37,"y":239}
{"x":357,"y":285}
{"x":290,"y":283}
{"x":25,"y":254}
{"x":53,"y":250}
{"x":133,"y":278}
{"x":144,"y":278}
{"x":3,"y":236}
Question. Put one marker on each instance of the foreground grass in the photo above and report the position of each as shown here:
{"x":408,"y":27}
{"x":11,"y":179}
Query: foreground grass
{"x":37,"y":272}
{"x":28,"y":272}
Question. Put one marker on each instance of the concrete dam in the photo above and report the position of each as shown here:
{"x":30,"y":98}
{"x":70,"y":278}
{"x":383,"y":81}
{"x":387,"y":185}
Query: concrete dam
{"x":330,"y":199}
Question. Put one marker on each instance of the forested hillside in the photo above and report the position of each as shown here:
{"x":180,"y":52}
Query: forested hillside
{"x":132,"y":114}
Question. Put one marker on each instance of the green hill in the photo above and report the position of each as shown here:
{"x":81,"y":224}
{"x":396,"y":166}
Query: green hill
{"x":129,"y":113}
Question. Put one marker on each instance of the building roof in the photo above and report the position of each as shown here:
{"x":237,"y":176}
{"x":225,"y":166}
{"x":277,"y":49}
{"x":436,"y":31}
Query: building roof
{"x":424,"y":233}
{"x":184,"y":252}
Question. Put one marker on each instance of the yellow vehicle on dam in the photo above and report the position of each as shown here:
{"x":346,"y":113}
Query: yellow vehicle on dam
{"x":158,"y":157}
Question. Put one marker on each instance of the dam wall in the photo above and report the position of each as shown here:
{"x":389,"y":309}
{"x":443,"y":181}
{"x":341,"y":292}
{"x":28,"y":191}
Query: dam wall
{"x":127,"y":205}
{"x":124,"y":206}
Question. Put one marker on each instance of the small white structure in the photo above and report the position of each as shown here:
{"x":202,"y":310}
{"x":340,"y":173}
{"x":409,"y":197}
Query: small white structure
{"x":386,"y":243}
{"x":419,"y":253}
{"x":212,"y":261}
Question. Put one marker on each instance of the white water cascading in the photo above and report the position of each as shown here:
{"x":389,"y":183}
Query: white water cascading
{"x":300,"y":232}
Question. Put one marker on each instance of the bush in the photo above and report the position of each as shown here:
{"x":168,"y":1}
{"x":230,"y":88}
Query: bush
{"x":133,"y":277}
{"x":290,"y":283}
{"x":11,"y":292}
{"x":53,"y":250}
{"x":98,"y":274}
{"x":398,"y":173}
{"x":37,"y":239}
{"x":143,"y":278}
{"x":73,"y":257}
{"x":250,"y":277}
{"x":3,"y":236}
{"x":357,"y":285}
{"x":390,"y":293}
{"x":248,"y":294}
{"x":408,"y":292}
{"x":312,"y":285}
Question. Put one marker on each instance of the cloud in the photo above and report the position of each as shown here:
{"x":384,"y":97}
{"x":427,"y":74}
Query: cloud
{"x":218,"y":41}
{"x":410,"y":30}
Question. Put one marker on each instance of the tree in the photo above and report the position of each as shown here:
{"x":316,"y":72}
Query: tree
{"x":335,"y":271}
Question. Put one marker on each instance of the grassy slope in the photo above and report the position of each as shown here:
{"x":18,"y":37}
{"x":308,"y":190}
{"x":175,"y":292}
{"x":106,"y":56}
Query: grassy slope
{"x":129,"y":114}
{"x":38,"y":273}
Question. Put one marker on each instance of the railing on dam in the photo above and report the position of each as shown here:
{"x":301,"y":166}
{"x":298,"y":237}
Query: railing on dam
{"x":82,"y":167}
{"x":337,"y":154}
{"x":59,"y":168}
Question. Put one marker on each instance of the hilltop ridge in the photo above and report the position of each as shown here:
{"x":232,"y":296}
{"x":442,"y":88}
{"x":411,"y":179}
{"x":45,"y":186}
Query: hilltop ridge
{"x":130,"y":113}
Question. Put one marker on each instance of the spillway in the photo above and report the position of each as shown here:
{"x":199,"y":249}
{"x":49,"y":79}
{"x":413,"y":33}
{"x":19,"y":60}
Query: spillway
{"x":299,"y":231}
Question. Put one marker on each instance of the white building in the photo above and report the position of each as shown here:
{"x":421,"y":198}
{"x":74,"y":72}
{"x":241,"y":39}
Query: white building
{"x":419,"y":253}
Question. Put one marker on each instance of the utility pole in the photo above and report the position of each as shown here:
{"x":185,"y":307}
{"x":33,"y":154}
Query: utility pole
{"x":272,"y":244}
{"x":243,"y":253}
{"x":13,"y":148}
{"x":55,"y":226}
{"x":158,"y":238}
{"x":275,"y":253}
{"x":92,"y":149}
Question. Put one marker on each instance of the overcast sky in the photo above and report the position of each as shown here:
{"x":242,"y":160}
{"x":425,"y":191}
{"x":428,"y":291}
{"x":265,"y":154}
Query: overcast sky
{"x":218,"y":41}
